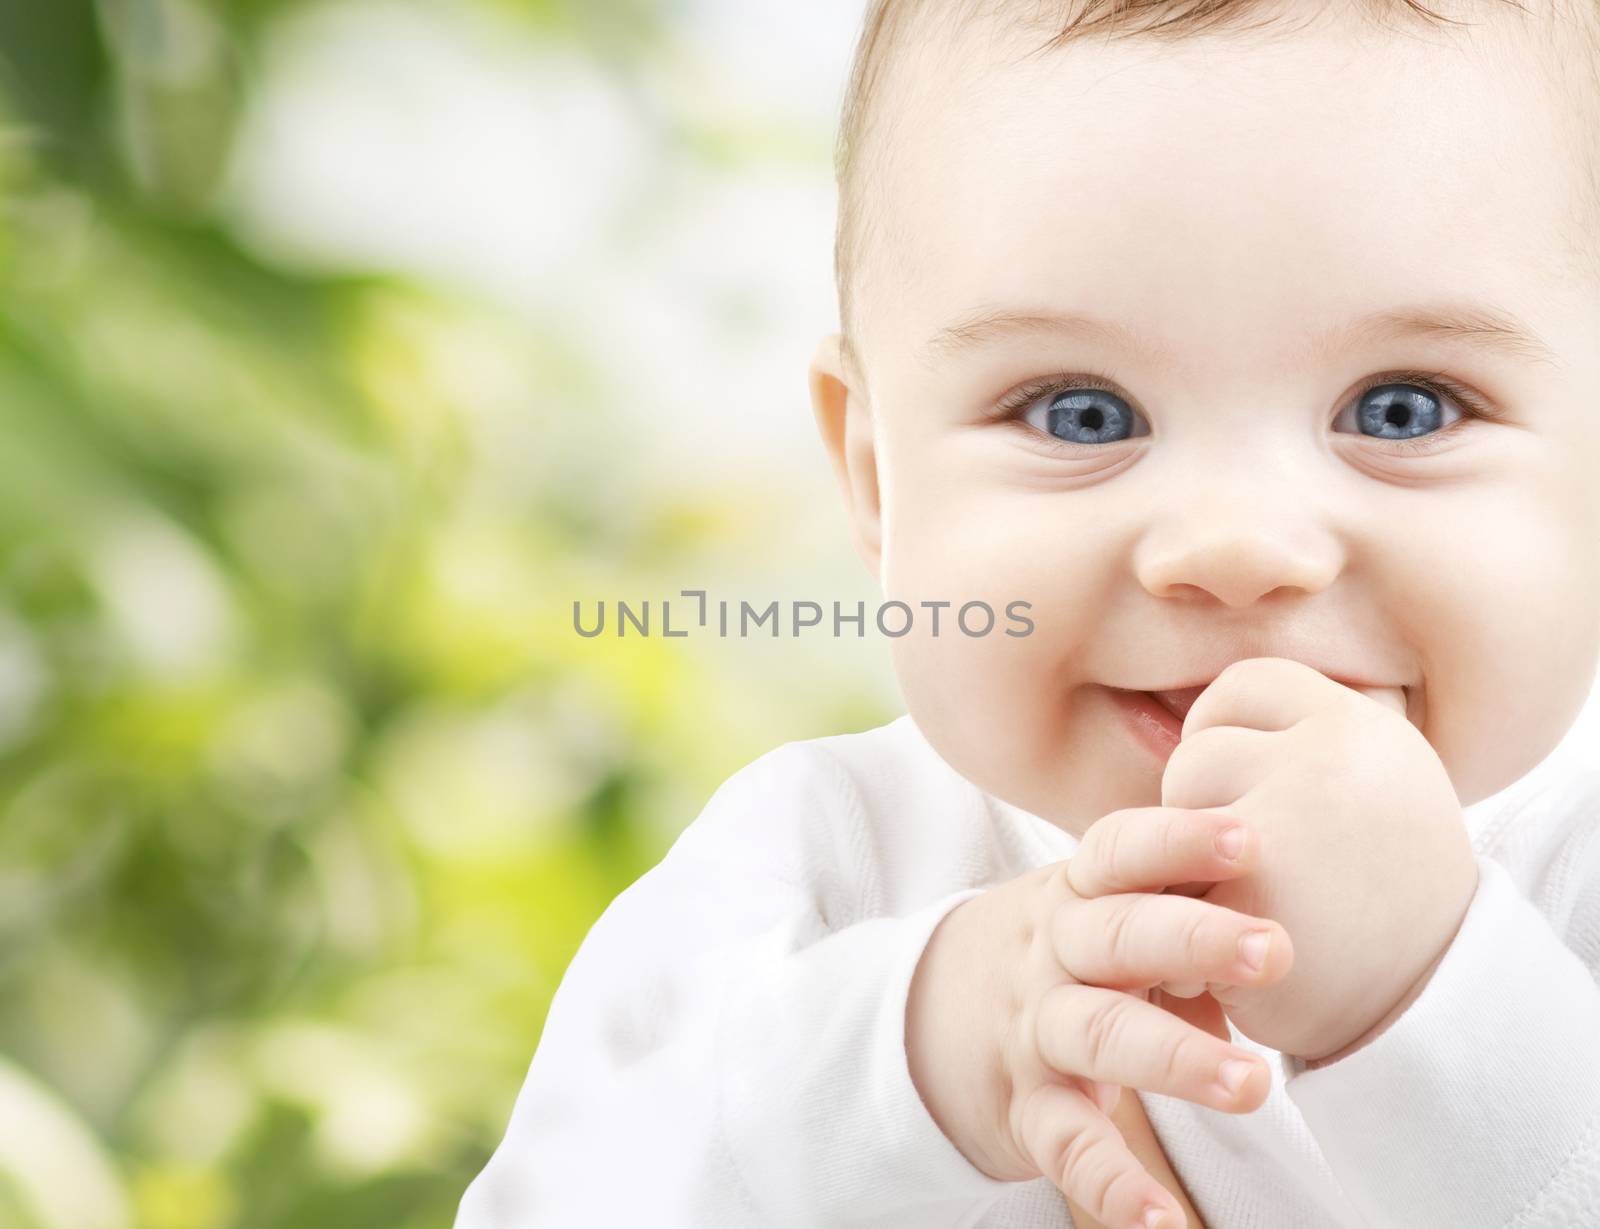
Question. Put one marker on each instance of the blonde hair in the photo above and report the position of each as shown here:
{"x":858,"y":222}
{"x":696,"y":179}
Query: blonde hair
{"x":889,"y":26}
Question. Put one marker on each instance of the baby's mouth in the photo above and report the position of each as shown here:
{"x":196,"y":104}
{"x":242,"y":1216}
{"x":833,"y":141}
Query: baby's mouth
{"x":1179,"y":701}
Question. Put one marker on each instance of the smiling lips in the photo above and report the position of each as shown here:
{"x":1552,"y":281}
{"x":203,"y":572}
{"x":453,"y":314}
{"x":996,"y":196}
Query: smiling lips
{"x":1179,"y":700}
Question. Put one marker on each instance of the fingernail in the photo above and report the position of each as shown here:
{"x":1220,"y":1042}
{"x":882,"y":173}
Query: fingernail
{"x":1233,"y":1073}
{"x":1151,"y":1218}
{"x":1253,"y":948}
{"x":1230,"y":841}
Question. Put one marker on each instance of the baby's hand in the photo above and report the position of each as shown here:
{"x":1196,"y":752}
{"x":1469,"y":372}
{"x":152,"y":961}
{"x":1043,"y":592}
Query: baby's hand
{"x":1365,"y":858}
{"x":1028,"y":1010}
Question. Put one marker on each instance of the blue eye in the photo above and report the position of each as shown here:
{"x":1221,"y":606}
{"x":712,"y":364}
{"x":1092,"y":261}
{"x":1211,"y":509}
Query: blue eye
{"x":1083,"y":416}
{"x":1401,"y":411}
{"x":1398,"y":411}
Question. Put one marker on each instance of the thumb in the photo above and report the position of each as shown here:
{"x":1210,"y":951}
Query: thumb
{"x":1390,"y":697}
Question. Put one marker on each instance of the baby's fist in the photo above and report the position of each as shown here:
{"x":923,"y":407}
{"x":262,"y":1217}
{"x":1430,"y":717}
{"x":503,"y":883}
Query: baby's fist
{"x":1365,"y":859}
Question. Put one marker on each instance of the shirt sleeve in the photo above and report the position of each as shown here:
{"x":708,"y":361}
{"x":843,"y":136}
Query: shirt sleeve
{"x":1479,"y":1106}
{"x":719,"y":1054}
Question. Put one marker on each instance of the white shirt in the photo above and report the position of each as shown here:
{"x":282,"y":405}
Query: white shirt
{"x":727,"y":1047}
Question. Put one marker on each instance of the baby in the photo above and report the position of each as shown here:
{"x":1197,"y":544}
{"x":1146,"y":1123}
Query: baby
{"x":1257,"y":348}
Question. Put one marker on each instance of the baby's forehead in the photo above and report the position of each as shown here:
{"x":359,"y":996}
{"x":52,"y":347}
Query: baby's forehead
{"x":988,"y":136}
{"x":948,"y":60}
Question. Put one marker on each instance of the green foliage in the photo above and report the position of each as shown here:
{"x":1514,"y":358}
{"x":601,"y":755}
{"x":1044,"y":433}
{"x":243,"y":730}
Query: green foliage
{"x":307,"y":793}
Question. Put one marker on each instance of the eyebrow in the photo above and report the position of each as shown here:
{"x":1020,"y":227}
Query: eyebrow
{"x":1481,"y":325}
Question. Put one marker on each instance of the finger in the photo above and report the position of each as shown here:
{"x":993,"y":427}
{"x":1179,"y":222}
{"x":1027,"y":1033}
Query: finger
{"x":1105,"y":1094}
{"x":1217,"y":766}
{"x":1203,"y":1011}
{"x":1135,"y":940}
{"x":1276,"y":693}
{"x":1182,"y":989}
{"x":1392,"y":698}
{"x":1145,"y":849}
{"x":1260,"y":693}
{"x":1079,"y":1149}
{"x":1102,"y":1034}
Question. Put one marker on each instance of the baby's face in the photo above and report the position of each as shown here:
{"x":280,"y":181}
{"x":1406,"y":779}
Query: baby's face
{"x":1228,"y":246}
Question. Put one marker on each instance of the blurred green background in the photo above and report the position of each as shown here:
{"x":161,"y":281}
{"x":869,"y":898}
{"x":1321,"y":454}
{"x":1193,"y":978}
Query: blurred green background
{"x":342,"y":348}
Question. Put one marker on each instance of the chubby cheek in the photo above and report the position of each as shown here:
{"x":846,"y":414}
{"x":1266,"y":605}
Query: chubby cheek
{"x":1010,"y":709}
{"x":1506,"y":618}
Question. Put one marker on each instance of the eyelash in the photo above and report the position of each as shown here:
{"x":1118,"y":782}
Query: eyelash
{"x":1011,"y":409}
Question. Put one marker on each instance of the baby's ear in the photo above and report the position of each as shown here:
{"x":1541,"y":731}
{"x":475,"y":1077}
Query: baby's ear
{"x":846,"y":426}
